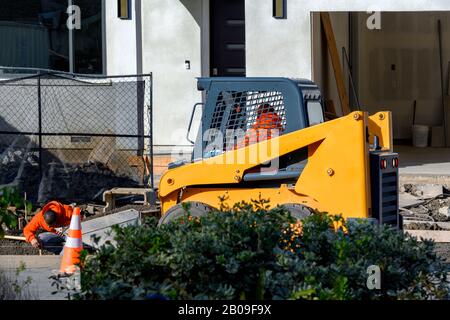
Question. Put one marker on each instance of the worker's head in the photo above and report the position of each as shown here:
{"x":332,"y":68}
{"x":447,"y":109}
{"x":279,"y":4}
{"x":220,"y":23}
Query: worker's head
{"x":265,"y":108}
{"x":50,"y":218}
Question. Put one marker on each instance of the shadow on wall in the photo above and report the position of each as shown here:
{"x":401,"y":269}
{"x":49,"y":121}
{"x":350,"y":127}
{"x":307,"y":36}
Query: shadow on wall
{"x":195,"y":9}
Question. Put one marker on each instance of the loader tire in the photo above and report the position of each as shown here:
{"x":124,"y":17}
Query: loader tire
{"x":197,"y":209}
{"x":298,"y":211}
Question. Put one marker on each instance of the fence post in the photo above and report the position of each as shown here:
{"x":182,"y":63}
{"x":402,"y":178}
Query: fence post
{"x":152,"y":179}
{"x":40,"y":125}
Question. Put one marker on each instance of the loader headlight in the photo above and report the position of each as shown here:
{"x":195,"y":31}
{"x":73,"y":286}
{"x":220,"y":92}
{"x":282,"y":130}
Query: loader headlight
{"x":383,"y":163}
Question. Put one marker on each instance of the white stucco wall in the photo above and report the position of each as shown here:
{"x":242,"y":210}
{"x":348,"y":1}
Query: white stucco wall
{"x":172,"y":35}
{"x":120,"y":41}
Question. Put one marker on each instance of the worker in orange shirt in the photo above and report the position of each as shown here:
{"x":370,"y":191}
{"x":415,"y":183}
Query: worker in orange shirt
{"x":267,"y":120}
{"x":53,"y":215}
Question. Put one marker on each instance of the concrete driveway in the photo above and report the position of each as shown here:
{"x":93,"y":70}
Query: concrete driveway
{"x":39,"y":269}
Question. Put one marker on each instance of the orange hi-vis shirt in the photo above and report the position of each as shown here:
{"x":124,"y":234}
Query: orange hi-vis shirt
{"x":63,"y":217}
{"x":261,"y":129}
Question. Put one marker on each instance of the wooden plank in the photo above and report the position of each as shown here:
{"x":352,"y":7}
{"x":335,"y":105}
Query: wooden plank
{"x":338,"y":73}
{"x":15,"y":238}
{"x":437,"y":236}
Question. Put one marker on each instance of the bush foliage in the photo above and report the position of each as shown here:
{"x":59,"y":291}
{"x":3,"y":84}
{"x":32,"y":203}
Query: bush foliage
{"x":250,"y":252}
{"x":10,"y":198}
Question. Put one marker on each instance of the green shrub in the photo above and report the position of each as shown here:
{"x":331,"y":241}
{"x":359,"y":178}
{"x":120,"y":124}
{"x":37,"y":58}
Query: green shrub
{"x":248,"y":253}
{"x":10,"y":197}
{"x":12,"y":287}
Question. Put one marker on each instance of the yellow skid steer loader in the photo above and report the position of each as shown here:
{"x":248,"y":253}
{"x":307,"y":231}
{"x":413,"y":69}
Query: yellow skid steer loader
{"x":267,"y":138}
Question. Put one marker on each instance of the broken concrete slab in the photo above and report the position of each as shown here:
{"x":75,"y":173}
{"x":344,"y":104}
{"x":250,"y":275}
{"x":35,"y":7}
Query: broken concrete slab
{"x":436,"y":236}
{"x":101,"y":227}
{"x":424,"y":191}
{"x":444,"y":225}
{"x":407,"y":200}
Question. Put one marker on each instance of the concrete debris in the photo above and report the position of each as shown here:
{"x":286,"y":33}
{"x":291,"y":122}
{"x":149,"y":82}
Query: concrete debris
{"x":424,"y":191}
{"x":435,"y":235}
{"x":425,"y":207}
{"x":422,"y":225}
{"x":407,"y":200}
{"x":444,"y":225}
{"x":444,"y":211}
{"x":97,"y":231}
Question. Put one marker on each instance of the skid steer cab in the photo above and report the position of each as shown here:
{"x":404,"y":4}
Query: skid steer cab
{"x":267,"y":138}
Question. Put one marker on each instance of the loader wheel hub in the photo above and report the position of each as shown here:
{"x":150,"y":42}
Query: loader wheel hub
{"x":196,"y":209}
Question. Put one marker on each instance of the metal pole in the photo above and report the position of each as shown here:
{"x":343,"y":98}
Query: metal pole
{"x":40,"y":125}
{"x":71,"y":52}
{"x":152,"y":178}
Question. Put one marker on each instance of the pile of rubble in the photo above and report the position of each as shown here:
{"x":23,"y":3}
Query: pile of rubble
{"x":20,"y":168}
{"x":79,"y":183}
{"x":425,"y":207}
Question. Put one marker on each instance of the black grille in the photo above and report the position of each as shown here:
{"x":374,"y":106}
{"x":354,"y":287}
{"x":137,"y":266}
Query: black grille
{"x":384,"y":188}
{"x":389,"y":199}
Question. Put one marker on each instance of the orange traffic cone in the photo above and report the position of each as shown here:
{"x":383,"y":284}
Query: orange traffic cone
{"x":74,"y":244}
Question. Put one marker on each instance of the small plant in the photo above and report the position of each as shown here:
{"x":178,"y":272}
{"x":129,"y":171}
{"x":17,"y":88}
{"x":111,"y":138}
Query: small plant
{"x":251,"y":252}
{"x":10,"y":200}
{"x":11,"y":288}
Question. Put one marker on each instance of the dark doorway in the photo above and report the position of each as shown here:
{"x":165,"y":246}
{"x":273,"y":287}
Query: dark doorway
{"x":227,"y":38}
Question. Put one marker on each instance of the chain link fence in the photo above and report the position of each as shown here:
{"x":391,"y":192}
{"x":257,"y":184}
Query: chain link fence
{"x":70,"y":137}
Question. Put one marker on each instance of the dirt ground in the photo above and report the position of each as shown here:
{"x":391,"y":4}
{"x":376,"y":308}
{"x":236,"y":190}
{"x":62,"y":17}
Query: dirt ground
{"x":11,"y":247}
